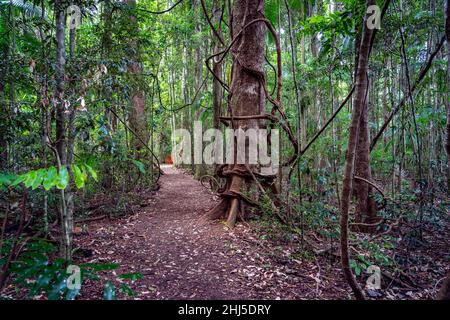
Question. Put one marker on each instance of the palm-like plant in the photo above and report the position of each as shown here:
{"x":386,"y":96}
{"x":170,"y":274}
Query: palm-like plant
{"x":28,"y":7}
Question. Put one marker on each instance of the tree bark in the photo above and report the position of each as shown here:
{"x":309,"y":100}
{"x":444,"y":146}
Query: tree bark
{"x":447,"y":145}
{"x":217,"y":69}
{"x":138,"y":116}
{"x":247,"y":92}
{"x":3,"y":109}
{"x":358,"y":108}
{"x":60,"y":83}
{"x":66,"y":209}
{"x":200,"y":169}
{"x":301,"y":123}
{"x":366,"y":208}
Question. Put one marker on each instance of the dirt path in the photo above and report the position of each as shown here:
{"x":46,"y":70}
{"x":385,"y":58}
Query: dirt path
{"x":184,"y":256}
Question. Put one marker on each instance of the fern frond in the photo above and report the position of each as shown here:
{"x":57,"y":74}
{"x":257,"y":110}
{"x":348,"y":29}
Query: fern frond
{"x":27,"y":7}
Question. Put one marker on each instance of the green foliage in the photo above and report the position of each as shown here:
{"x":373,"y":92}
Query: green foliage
{"x":139,"y":165}
{"x":376,"y":255}
{"x":131,"y":276}
{"x":28,"y":7}
{"x":63,"y":178}
{"x":36,"y":272}
{"x":49,"y":177}
{"x":320,"y":217}
{"x":271,"y":10}
{"x":100,"y":267}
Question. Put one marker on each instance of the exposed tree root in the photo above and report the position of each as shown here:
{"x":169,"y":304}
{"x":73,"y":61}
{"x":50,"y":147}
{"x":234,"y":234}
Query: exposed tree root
{"x":219,"y":211}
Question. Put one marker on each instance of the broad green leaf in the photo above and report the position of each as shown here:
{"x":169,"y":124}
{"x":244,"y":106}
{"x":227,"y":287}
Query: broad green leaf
{"x":91,"y":172}
{"x":51,"y":178}
{"x":63,"y":178}
{"x":139,"y":165}
{"x":18,"y":180}
{"x":6,"y":179}
{"x":30,"y":177}
{"x":78,"y":176}
{"x":39,"y":177}
{"x":101,"y":266}
{"x":131,"y":276}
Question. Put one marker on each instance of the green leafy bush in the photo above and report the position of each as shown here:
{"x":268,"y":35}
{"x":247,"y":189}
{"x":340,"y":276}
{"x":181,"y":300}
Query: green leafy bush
{"x":35,"y":273}
{"x":49,"y":178}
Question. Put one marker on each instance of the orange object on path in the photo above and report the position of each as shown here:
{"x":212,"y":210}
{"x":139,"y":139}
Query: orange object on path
{"x":169,"y":159}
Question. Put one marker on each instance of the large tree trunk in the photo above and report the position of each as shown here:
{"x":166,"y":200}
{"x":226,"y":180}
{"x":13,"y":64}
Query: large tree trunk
{"x":138,"y":117}
{"x":248,"y":97}
{"x":358,"y":108}
{"x":447,"y":145}
{"x":3,"y":109}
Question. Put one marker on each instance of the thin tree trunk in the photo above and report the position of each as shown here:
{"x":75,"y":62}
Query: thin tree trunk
{"x":60,"y":84}
{"x":366,"y":209}
{"x":71,"y":39}
{"x":217,"y":90}
{"x":217,"y":68}
{"x":70,"y":147}
{"x":200,"y":169}
{"x":61,"y":142}
{"x":300,"y":110}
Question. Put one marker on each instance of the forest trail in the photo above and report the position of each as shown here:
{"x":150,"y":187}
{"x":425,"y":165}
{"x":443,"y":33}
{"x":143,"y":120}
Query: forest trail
{"x":182,"y":255}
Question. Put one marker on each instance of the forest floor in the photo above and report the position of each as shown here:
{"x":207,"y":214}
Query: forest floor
{"x":182,"y":255}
